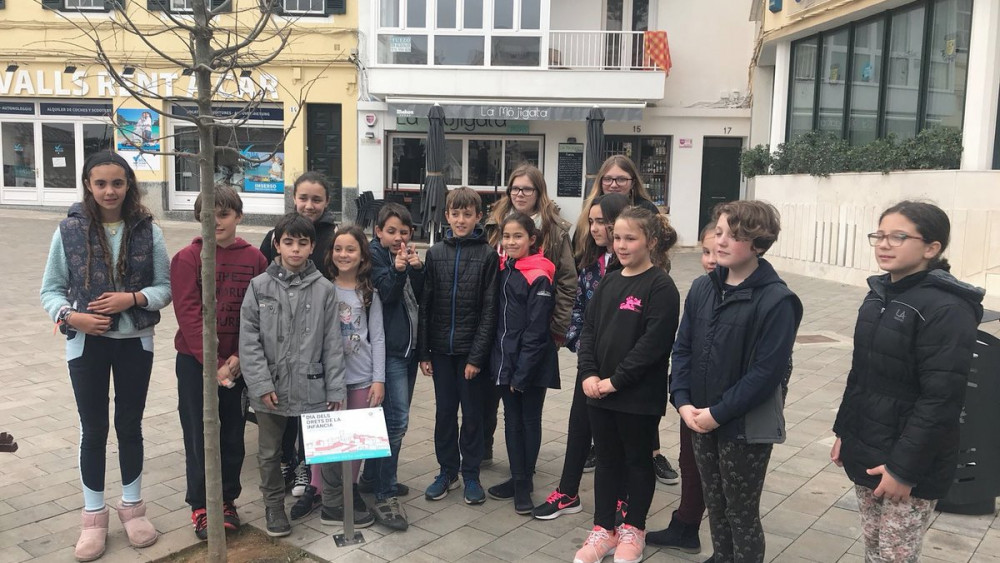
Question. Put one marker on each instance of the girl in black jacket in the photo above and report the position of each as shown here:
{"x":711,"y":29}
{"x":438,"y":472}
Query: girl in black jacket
{"x":898,"y":424}
{"x":622,"y":364}
{"x":523,"y":362}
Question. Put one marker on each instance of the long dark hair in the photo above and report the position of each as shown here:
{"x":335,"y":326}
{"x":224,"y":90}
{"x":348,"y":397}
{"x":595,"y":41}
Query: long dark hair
{"x":611,"y":205}
{"x":544,"y":206}
{"x":365,"y":287}
{"x":133,"y":211}
{"x":932,"y":223}
{"x":526,"y":223}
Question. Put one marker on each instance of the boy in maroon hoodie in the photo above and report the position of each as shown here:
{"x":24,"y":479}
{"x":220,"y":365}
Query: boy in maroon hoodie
{"x":236,"y":263}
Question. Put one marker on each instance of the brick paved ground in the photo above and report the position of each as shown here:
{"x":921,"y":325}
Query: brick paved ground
{"x":809,"y":511}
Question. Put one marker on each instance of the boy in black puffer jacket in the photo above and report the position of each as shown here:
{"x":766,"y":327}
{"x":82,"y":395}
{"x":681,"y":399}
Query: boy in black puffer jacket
{"x":457,"y":323}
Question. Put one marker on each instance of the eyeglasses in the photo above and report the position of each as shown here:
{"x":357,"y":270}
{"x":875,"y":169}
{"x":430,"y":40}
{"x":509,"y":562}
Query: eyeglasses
{"x":517,"y":190}
{"x":619,"y":180}
{"x":895,"y":239}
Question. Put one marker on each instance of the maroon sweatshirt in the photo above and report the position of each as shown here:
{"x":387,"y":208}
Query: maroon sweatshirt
{"x":235,"y":266}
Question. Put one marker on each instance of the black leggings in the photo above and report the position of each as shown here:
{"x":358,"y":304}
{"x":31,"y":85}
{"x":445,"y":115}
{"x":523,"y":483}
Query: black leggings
{"x":523,"y":429}
{"x":732,"y":478}
{"x":578,"y":441}
{"x":624,"y":455}
{"x":91,"y":377}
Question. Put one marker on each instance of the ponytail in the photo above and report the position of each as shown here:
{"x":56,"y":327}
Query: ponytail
{"x":656,"y":227}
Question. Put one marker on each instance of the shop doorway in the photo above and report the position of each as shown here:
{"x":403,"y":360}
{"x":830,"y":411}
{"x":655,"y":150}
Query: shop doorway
{"x":720,"y":174}
{"x":41,"y":159}
{"x":324,"y":148}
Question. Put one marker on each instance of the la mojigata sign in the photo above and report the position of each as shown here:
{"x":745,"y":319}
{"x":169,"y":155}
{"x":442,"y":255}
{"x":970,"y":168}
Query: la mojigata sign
{"x":101,"y":84}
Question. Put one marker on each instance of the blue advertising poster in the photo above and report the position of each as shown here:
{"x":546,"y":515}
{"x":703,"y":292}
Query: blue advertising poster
{"x":138,"y":129}
{"x":345,"y":435}
{"x":268,"y":177}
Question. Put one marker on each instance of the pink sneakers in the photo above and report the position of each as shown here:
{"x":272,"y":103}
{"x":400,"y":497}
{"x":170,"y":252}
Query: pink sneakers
{"x":598,"y":545}
{"x":631,"y":542}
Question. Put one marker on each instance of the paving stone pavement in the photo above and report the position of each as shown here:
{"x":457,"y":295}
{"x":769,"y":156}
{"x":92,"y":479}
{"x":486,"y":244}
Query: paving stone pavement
{"x":808,"y":507}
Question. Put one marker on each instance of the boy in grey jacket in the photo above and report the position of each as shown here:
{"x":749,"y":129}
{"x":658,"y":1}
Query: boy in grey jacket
{"x":291,"y":354}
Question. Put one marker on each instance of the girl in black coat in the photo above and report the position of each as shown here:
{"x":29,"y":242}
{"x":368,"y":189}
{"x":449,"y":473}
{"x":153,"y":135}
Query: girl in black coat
{"x":523,"y":361}
{"x":897,"y":427}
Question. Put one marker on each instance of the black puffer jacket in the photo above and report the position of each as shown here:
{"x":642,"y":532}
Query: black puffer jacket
{"x":458,"y":307}
{"x":912,"y":352}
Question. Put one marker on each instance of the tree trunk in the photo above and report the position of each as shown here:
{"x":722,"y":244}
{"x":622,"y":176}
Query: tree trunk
{"x":210,"y":341}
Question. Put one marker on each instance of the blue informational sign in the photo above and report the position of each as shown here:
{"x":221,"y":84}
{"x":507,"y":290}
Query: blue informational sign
{"x":92,"y":110}
{"x":17,"y":108}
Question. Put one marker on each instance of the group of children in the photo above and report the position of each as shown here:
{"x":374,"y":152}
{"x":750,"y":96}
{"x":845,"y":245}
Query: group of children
{"x":327,"y":319}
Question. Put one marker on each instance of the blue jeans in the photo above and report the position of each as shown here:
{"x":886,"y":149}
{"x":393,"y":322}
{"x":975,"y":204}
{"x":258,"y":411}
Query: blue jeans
{"x":400,"y":378}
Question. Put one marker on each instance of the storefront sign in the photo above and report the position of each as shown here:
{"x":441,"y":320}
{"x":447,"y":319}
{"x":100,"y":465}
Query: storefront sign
{"x":259,"y":113}
{"x":569,"y":175}
{"x":456,"y":125}
{"x":17,"y":108}
{"x":81,"y":83}
{"x":93,"y":110}
{"x":516,"y":112}
{"x":266,"y":177}
{"x":802,"y":5}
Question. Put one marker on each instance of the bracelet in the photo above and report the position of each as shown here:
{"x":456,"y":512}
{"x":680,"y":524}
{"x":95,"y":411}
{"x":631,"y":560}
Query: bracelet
{"x":135,"y":300}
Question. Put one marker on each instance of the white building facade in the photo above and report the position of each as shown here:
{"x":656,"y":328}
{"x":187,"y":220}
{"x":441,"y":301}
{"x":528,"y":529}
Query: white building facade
{"x":517,"y":78}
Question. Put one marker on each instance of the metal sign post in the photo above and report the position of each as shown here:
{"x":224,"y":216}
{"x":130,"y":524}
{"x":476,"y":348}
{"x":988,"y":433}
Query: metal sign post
{"x":350,"y":536}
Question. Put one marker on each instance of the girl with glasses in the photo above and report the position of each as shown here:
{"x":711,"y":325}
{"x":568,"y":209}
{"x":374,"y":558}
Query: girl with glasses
{"x":618,"y":175}
{"x":898,"y":424}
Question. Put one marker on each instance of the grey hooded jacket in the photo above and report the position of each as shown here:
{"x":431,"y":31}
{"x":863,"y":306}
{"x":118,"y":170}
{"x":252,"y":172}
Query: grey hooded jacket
{"x":290,"y":341}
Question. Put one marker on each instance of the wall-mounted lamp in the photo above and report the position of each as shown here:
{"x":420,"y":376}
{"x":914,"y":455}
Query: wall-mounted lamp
{"x":246,"y":73}
{"x":12,"y":67}
{"x":70,"y":69}
{"x":128,"y":71}
{"x":186,"y":72}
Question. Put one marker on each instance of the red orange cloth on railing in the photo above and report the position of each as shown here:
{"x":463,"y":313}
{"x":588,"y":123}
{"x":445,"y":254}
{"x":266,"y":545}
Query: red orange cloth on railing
{"x":657,"y":50}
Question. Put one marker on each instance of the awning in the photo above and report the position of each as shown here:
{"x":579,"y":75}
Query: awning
{"x":518,"y":110}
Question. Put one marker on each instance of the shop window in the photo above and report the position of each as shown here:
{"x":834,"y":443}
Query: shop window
{"x":866,"y":80}
{"x":832,"y":82}
{"x":802,"y":98}
{"x":259,"y":171}
{"x":469,"y":161}
{"x":904,"y":71}
{"x":17,"y":139}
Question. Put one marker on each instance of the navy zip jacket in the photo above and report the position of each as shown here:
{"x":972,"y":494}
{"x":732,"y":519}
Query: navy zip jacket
{"x":913,"y":348}
{"x":400,"y":328}
{"x":458,"y":306}
{"x":732,"y":352}
{"x":524,"y":354}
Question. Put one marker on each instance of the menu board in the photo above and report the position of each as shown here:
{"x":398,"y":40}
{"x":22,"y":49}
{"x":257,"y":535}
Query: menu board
{"x":569,"y":179}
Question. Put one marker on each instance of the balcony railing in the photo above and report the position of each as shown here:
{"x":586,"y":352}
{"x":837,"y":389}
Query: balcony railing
{"x":606,"y":50}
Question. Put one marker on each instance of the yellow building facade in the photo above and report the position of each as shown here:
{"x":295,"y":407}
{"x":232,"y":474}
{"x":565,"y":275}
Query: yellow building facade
{"x":59,"y":104}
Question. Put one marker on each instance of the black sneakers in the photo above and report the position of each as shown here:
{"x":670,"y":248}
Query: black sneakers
{"x":664,"y":472}
{"x":556,"y":505}
{"x":230,"y":518}
{"x":200,"y":522}
{"x":591,"y":463}
{"x":335,"y":515}
{"x":310,"y":500}
{"x":503,"y":491}
{"x":277,"y":521}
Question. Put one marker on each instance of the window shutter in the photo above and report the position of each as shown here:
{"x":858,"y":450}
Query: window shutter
{"x":156,"y":5}
{"x":216,"y":4}
{"x":2,"y":6}
{"x":114,"y":5}
{"x":52,"y":4}
{"x":275,"y":6}
{"x":334,"y":7}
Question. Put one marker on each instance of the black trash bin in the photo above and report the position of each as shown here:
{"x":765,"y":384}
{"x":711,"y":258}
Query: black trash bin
{"x":977,"y":481}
